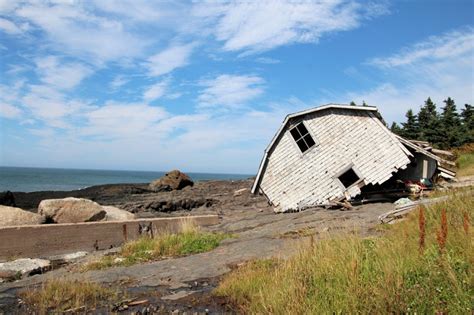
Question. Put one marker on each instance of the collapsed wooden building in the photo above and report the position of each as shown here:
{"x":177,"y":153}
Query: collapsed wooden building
{"x":333,"y":153}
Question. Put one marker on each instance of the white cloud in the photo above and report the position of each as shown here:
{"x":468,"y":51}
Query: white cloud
{"x":73,"y":28}
{"x":9,"y":111}
{"x":117,"y":120}
{"x":438,"y":67}
{"x":263,"y":25}
{"x":155,"y":91}
{"x":59,"y":74}
{"x":448,"y":45}
{"x":267,"y":60}
{"x":9,"y":27}
{"x":230,"y":91}
{"x":118,"y":81}
{"x":173,"y":57}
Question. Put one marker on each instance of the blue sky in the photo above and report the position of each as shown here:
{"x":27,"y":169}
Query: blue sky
{"x":203,"y":86}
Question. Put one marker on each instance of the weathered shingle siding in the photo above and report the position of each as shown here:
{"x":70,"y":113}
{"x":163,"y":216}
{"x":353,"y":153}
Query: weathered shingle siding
{"x":343,"y":137}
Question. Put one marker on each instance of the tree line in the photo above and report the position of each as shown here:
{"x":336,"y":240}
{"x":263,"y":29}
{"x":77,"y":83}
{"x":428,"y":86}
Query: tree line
{"x":447,"y":129}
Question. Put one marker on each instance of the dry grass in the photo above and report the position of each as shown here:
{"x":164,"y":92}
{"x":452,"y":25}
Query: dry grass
{"x":190,"y":240}
{"x":389,"y":274}
{"x":56,"y":296}
{"x":465,"y":160}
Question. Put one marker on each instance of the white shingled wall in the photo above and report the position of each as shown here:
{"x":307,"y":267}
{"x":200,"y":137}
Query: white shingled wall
{"x":343,"y":137}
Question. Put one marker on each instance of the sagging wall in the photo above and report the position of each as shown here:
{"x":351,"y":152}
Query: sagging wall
{"x":422,"y":166}
{"x":344,"y":137}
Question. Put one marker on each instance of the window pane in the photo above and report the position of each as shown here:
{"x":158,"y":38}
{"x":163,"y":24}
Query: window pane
{"x":302,"y":145}
{"x":296,"y":135}
{"x":309,"y":140}
{"x":302,"y":129}
{"x":348,"y":178}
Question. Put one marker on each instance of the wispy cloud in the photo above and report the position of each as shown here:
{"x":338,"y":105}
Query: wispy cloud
{"x":171,"y":58}
{"x":9,"y":27}
{"x":155,"y":91}
{"x":448,"y":45}
{"x":267,"y":60}
{"x":118,"y":81}
{"x":9,"y":111}
{"x":230,"y":91}
{"x":59,"y":74}
{"x":263,"y":25}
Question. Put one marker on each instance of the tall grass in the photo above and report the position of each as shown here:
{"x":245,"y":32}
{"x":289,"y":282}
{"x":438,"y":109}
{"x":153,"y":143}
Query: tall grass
{"x":465,"y":160}
{"x":190,"y":240}
{"x":388,"y":274}
{"x":57,"y":296}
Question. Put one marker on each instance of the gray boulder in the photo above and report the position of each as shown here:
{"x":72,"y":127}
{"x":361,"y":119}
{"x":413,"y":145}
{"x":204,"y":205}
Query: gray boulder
{"x":71,"y":210}
{"x":174,"y":180}
{"x":116,"y":214}
{"x":11,"y":216}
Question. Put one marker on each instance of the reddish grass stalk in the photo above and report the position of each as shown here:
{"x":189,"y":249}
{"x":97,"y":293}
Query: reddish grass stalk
{"x":466,"y":223}
{"x":421,"y":225}
{"x":442,"y":234}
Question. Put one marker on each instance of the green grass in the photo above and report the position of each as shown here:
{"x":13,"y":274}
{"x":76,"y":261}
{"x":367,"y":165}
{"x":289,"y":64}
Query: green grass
{"x":57,"y":296}
{"x":465,"y":163}
{"x":189,"y":241}
{"x":350,"y":274}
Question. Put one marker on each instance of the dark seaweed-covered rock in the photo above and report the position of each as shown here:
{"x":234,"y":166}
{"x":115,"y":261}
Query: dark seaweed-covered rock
{"x":7,"y":199}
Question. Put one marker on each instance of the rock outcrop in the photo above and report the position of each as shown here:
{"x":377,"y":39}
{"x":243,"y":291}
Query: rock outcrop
{"x":71,"y":210}
{"x":23,"y":267}
{"x":7,"y":199}
{"x":11,"y":216}
{"x":116,"y":214}
{"x":174,"y":180}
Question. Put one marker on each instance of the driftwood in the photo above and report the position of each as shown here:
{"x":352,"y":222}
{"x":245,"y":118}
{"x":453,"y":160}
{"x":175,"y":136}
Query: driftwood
{"x":404,"y":209}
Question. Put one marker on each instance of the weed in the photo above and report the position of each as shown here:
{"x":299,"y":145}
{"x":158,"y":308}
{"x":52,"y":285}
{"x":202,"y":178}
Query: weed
{"x":55,"y":296}
{"x":421,"y":225}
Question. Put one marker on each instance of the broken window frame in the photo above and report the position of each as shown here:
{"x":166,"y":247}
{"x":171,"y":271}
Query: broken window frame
{"x":302,"y":137}
{"x":345,"y":170}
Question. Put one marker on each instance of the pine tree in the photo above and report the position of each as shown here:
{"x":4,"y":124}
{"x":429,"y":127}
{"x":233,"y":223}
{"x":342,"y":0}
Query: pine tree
{"x":451,"y":125}
{"x":395,"y":128}
{"x":364,"y":103}
{"x":410,"y":127}
{"x":353,"y":103}
{"x":429,"y":123}
{"x":467,"y":116}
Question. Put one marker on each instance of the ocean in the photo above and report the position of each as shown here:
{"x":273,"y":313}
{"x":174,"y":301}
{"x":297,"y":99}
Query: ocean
{"x":28,"y":179}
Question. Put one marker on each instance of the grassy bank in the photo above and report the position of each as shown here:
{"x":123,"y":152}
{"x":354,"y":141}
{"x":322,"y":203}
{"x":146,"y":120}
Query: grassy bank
{"x":57,"y":296}
{"x":419,"y":265}
{"x":189,"y":241}
{"x":465,"y":160}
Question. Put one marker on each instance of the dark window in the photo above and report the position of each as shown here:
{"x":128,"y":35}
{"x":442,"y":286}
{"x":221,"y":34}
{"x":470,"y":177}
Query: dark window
{"x":302,"y":137}
{"x":349,"y":178}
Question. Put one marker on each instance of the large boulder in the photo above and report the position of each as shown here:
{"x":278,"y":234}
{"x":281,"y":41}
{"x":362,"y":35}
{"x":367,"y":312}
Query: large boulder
{"x":11,"y":216}
{"x":174,"y":180}
{"x":71,"y":210}
{"x":7,"y":199}
{"x":116,"y":214}
{"x":23,"y":267}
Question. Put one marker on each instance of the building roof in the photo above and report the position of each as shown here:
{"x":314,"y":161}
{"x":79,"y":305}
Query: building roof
{"x":299,"y":114}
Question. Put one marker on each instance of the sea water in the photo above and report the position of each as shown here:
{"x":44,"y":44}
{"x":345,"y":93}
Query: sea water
{"x":39,"y":179}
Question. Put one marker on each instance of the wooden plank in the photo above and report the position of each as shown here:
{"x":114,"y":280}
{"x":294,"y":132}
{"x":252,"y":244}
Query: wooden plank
{"x":54,"y":239}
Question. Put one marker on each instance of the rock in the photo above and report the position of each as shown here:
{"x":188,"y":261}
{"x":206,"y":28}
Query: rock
{"x":59,"y":260}
{"x":116,"y":214}
{"x":174,"y":180}
{"x":7,"y":199}
{"x":25,"y":266}
{"x":8,"y":275}
{"x":11,"y":216}
{"x":71,"y":210}
{"x":178,"y":295}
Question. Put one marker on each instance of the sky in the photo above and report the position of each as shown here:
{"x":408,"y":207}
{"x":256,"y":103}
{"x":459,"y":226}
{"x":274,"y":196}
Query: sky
{"x":203,"y":86}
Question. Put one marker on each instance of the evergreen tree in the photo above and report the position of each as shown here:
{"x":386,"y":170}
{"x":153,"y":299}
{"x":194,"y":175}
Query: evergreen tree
{"x":451,"y":125}
{"x":395,"y":128}
{"x":364,"y":103}
{"x":429,"y":123}
{"x":353,"y":103}
{"x":467,"y":115}
{"x":410,"y":127}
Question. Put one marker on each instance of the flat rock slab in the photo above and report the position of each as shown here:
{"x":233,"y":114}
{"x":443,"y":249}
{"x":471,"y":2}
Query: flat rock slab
{"x":25,"y":266}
